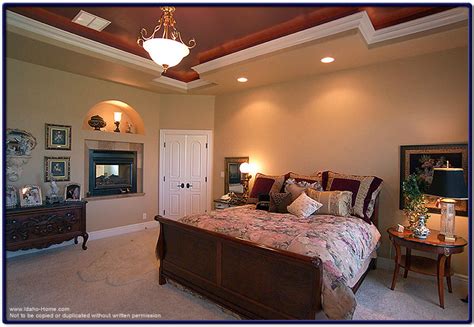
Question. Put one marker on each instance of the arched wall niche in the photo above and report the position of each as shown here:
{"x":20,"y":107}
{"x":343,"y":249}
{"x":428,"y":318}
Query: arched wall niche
{"x":106,"y":110}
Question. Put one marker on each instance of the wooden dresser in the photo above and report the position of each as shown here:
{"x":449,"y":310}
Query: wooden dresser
{"x":40,"y":227}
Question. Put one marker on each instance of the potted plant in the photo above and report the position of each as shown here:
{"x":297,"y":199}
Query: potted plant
{"x":414,"y":201}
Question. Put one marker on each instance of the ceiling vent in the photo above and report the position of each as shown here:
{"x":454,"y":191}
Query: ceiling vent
{"x":89,"y":20}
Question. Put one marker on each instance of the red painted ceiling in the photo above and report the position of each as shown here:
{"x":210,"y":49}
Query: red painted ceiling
{"x":218,"y":30}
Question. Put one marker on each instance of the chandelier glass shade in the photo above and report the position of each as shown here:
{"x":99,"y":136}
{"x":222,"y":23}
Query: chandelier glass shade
{"x":168,"y":50}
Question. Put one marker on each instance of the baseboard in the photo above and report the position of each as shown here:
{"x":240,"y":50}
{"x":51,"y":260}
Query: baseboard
{"x":388,"y":264}
{"x":104,"y":233}
{"x":95,"y":235}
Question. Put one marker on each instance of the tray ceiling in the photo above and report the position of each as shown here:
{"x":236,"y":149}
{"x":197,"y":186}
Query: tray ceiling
{"x":218,"y":30}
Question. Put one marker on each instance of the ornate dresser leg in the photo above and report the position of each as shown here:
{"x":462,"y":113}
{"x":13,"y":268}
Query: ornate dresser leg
{"x":85,"y":236}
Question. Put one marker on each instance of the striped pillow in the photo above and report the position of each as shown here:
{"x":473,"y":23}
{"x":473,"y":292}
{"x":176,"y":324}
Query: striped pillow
{"x":335,"y":203}
{"x":365,"y":190}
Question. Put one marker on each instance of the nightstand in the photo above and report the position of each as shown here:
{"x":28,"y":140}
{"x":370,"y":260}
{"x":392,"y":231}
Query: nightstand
{"x":222,"y":204}
{"x":434,"y":243}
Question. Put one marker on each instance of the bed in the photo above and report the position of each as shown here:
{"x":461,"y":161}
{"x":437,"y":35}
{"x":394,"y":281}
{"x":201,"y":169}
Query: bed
{"x":271,"y":270}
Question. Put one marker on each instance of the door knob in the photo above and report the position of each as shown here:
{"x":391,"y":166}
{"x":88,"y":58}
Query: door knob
{"x":188,"y":185}
{"x":180,"y":185}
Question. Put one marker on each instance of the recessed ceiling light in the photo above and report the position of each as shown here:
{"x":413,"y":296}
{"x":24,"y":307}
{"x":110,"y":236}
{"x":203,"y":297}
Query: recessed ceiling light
{"x":242,"y":79}
{"x":89,"y":20}
{"x":327,"y":60}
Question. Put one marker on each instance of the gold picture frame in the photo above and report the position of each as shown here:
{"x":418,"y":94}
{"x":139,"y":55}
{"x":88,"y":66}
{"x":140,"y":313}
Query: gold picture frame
{"x":57,"y":169}
{"x":421,"y":159}
{"x":58,"y":137}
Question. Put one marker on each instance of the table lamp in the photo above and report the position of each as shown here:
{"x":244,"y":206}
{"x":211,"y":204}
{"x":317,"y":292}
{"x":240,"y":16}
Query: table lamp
{"x":449,"y":184}
{"x":117,"y":118}
{"x":246,"y":169}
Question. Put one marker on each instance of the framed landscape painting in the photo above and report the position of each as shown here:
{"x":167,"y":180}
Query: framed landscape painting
{"x":421,"y":159}
{"x":58,"y":137}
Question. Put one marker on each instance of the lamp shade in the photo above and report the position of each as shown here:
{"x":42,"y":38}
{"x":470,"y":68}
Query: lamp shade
{"x":448,"y":183}
{"x":166,"y":52}
{"x":117,"y":116}
{"x":244,"y":168}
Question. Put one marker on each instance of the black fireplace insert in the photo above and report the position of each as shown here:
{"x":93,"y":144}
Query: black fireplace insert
{"x":112,"y":172}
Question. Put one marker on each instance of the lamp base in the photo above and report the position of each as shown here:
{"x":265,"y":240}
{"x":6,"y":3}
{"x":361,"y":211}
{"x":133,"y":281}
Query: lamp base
{"x":117,"y":130}
{"x":449,"y":238}
{"x":447,"y":223}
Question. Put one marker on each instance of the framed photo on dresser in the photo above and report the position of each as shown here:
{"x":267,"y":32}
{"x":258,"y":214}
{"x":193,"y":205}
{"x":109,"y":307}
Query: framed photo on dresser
{"x":30,"y":196}
{"x":72,"y":192}
{"x":421,"y":159}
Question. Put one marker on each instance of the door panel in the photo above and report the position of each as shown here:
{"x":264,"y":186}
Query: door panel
{"x":185,"y":163}
{"x":196,"y":194}
{"x":174,"y":172}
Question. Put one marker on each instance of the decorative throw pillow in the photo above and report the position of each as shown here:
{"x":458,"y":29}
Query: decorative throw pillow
{"x":264,"y":184}
{"x":365,"y":190}
{"x":304,"y":183}
{"x":294,"y":190}
{"x":336,"y":203}
{"x":304,"y":206}
{"x":279,"y":202}
{"x":310,"y":179}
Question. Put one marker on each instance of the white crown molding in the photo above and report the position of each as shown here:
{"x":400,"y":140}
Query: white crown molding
{"x":198,"y":83}
{"x":359,"y":20}
{"x":96,"y":235}
{"x":182,"y":85}
{"x":171,"y":82}
{"x":441,"y":19}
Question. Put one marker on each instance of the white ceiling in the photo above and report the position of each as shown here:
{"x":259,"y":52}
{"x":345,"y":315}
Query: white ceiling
{"x":350,"y":49}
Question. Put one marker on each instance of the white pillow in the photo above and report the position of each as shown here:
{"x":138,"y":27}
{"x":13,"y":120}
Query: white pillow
{"x":304,"y":206}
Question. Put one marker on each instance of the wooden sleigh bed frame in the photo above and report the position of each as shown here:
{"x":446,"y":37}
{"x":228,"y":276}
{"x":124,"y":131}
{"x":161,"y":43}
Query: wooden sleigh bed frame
{"x":252,"y":280}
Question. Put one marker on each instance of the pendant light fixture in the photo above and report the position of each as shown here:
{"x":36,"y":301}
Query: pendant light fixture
{"x":169,"y":49}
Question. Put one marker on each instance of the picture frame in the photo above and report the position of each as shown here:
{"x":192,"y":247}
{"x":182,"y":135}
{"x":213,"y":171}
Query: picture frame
{"x":58,"y":137}
{"x":232,"y":174}
{"x":421,"y":159}
{"x":57,"y":168}
{"x":11,"y":197}
{"x":30,"y":196}
{"x":72,"y":192}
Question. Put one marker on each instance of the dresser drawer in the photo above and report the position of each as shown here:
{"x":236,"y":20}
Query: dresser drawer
{"x":28,"y":227}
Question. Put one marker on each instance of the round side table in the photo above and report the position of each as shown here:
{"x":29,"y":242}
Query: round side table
{"x":434,"y":243}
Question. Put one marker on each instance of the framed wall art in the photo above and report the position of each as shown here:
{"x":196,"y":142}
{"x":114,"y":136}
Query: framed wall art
{"x":58,"y":137}
{"x":421,"y":159}
{"x":72,"y":192}
{"x":233,"y":176}
{"x":57,"y":168}
{"x":30,"y":196}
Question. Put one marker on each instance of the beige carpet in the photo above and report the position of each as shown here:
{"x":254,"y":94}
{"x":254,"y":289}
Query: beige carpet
{"x":116,"y":278}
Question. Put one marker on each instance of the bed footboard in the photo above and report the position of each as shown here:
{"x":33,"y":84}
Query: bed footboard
{"x":255,"y":281}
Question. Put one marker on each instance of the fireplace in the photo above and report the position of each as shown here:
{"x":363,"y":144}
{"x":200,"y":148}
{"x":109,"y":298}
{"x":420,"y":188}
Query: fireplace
{"x":112,"y":172}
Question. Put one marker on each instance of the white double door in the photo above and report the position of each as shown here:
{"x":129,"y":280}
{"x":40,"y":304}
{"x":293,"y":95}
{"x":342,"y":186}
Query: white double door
{"x":184,"y":172}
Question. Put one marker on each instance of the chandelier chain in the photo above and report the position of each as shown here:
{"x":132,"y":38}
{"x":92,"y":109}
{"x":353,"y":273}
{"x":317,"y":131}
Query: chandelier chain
{"x":168,"y":23}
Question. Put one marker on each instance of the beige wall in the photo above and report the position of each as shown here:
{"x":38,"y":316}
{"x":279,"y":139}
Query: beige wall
{"x":351,"y":121}
{"x":186,"y":112}
{"x":37,"y":95}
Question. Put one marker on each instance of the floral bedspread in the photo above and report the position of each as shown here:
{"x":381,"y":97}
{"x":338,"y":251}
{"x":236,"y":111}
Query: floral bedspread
{"x":342,"y":244}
